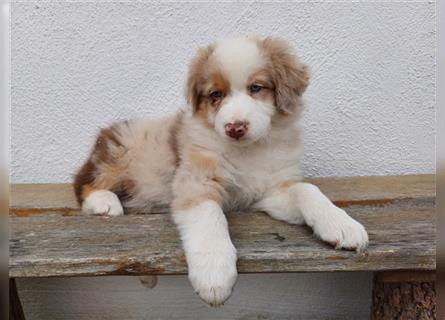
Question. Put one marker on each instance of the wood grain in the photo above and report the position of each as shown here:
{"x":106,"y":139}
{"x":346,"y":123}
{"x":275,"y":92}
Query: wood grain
{"x":29,"y":199}
{"x":54,"y":243}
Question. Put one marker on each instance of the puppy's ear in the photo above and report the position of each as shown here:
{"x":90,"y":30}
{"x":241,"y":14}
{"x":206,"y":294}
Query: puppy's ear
{"x":196,"y":77}
{"x":289,"y":75}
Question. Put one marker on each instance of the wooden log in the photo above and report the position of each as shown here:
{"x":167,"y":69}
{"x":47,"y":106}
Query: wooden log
{"x":49,"y":238}
{"x":404,"y":296}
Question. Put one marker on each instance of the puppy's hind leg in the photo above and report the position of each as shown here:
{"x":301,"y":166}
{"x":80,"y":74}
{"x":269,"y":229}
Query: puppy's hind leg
{"x":102,"y":202}
{"x":103,"y":176}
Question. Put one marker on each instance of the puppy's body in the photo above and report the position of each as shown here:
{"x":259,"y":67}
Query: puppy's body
{"x":142,"y":157}
{"x":235,"y":147}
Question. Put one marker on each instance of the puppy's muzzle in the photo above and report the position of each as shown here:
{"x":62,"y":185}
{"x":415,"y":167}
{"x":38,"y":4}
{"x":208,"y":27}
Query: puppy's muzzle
{"x":236,"y":130}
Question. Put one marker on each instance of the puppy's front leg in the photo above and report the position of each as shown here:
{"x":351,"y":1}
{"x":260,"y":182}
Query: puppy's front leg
{"x":329,"y":222}
{"x":300,"y":202}
{"x":211,"y":256}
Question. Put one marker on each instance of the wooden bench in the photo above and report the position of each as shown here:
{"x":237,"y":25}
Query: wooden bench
{"x":48,"y":238}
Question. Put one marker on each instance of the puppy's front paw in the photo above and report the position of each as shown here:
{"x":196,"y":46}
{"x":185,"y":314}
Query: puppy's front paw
{"x":341,"y":231}
{"x":102,"y":202}
{"x":213,"y":274}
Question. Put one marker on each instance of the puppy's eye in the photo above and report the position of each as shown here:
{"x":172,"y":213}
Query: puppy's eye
{"x":217,"y":94}
{"x":254,"y":88}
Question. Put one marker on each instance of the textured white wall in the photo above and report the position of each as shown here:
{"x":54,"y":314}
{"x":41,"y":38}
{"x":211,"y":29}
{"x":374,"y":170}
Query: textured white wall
{"x":77,"y":66}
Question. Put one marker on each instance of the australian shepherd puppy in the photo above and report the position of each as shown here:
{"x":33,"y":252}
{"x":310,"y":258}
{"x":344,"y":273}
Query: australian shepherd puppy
{"x":235,"y":147}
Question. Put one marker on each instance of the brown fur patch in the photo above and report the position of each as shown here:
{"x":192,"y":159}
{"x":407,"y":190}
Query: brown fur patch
{"x":197,"y":75}
{"x":204,"y":78}
{"x":87,"y":190}
{"x":202,"y":162}
{"x":105,"y":169}
{"x":264,"y":95}
{"x":290,"y":77}
{"x":106,"y":138}
{"x":190,"y":203}
{"x":111,"y":173}
{"x":218,"y":82}
{"x":125,"y":190}
{"x":285,"y":185}
{"x":262,"y":78}
{"x":85,"y":176}
{"x":212,"y":180}
{"x":207,"y":104}
{"x":207,"y":165}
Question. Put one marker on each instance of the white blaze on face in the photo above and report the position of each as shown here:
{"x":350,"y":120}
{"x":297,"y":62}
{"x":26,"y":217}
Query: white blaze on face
{"x":241,"y":107}
{"x":238,"y":59}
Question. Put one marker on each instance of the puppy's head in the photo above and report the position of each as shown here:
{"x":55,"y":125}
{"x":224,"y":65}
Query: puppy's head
{"x":237,"y":86}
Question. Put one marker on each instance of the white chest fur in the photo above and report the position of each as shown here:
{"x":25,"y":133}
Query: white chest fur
{"x":248,"y":170}
{"x":254,"y":170}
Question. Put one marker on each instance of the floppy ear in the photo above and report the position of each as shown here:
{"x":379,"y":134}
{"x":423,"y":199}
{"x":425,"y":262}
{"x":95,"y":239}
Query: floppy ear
{"x":289,"y":75}
{"x":196,"y":77}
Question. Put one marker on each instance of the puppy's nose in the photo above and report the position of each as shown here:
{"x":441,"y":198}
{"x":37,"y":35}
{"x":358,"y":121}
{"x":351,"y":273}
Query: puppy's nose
{"x":237,"y":129}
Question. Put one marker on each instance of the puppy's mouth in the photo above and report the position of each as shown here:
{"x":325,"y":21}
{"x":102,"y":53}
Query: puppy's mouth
{"x":241,"y":141}
{"x":238,"y":139}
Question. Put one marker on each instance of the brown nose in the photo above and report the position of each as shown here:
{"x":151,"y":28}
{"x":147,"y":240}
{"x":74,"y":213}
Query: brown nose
{"x":237,"y":129}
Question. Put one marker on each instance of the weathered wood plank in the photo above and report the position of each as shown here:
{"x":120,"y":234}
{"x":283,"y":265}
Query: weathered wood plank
{"x":402,"y":236}
{"x":49,"y":238}
{"x":29,"y":199}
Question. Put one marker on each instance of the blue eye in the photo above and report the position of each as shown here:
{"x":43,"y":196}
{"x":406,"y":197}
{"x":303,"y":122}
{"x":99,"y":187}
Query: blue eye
{"x":216,"y":94}
{"x":254,"y":88}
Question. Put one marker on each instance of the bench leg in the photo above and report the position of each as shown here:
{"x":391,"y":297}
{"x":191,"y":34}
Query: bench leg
{"x":15,"y":306}
{"x":404,"y":295}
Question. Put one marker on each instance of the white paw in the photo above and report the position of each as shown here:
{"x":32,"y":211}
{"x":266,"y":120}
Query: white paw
{"x":341,"y":231}
{"x":102,"y":202}
{"x":213,"y":275}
